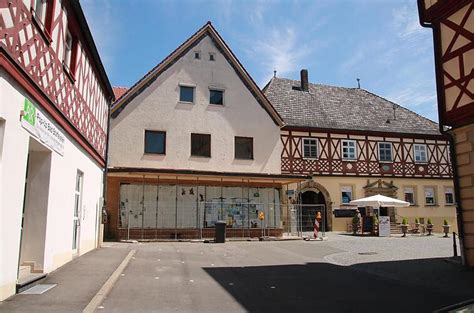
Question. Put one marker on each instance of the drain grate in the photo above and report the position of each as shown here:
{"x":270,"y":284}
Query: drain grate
{"x":38,"y":289}
{"x":367,"y":253}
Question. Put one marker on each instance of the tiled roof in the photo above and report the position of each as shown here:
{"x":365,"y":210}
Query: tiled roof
{"x":342,"y":108}
{"x":119,"y":92}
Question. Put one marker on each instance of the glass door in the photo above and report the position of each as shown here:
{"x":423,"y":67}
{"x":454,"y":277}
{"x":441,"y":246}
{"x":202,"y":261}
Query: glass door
{"x":76,"y":221}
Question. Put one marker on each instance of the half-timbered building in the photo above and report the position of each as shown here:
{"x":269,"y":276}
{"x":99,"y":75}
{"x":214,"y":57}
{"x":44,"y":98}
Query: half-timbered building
{"x":54,"y":100}
{"x":452,"y":22}
{"x":354,"y":144}
{"x":193,"y":142}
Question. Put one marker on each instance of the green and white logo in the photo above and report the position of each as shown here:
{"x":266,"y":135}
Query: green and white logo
{"x":30,"y":112}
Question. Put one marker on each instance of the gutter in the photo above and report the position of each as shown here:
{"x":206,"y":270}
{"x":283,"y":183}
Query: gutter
{"x":104,"y":214}
{"x":457,"y":194}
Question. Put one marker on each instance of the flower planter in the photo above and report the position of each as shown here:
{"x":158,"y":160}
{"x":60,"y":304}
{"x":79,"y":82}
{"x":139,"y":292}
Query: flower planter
{"x":404,"y":229}
{"x":429,"y":228}
{"x":446,"y":230}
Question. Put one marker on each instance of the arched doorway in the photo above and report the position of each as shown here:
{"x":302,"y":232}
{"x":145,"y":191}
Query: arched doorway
{"x":312,"y":201}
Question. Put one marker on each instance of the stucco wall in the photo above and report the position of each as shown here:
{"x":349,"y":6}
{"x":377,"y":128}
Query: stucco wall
{"x":58,"y":236}
{"x":158,"y":108}
{"x":437,"y":213}
{"x":465,"y":161}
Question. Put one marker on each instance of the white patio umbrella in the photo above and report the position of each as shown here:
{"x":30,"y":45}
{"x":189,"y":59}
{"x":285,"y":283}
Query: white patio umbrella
{"x":378,"y":201}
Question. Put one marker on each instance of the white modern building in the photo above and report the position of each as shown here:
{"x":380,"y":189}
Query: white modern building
{"x":54,"y":101}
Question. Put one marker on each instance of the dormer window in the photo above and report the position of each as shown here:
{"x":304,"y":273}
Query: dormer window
{"x":212,"y":56}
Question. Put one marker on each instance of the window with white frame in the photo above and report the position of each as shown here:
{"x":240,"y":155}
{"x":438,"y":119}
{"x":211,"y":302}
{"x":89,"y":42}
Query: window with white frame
{"x":67,"y":50}
{"x":421,"y":155}
{"x":409,"y":193}
{"x":430,"y":196}
{"x":349,"y":150}
{"x":385,"y":151}
{"x":40,"y":10}
{"x":346,"y":194}
{"x":310,"y":148}
{"x":449,"y":195}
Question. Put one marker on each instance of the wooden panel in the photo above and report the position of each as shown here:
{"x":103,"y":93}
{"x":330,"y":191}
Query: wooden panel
{"x":79,"y":98}
{"x":330,"y":160}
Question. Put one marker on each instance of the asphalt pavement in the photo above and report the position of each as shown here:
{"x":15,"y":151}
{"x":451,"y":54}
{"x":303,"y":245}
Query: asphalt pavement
{"x":343,"y":274}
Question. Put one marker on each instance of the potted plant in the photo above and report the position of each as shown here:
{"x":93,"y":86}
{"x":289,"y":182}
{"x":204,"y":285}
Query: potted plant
{"x":417,"y":224}
{"x":429,"y":226}
{"x":355,"y":224}
{"x":404,"y":226}
{"x":446,"y":228}
{"x":375,"y":225}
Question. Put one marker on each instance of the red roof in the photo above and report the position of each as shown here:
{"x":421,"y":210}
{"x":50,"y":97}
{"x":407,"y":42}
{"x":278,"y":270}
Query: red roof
{"x":119,"y":91}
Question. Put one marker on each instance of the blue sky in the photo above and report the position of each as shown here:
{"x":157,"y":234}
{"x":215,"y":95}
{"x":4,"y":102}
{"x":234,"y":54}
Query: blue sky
{"x":379,"y":41}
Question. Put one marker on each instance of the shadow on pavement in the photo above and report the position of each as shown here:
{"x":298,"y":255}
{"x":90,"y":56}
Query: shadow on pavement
{"x":370,"y":287}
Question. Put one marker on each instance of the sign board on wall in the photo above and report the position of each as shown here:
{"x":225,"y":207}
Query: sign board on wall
{"x":384,"y":226}
{"x":37,"y":124}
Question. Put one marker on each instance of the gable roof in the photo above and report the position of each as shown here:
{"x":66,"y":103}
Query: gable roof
{"x":330,"y":107}
{"x":119,"y":92}
{"x":206,"y":30}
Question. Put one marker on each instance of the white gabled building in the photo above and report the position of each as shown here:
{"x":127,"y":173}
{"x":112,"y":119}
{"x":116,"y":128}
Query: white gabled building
{"x":54,"y":106}
{"x":192,"y":142}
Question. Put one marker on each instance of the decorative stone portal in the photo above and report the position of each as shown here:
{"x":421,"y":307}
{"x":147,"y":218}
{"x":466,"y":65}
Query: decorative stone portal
{"x":383,"y":188}
{"x":312,"y":192}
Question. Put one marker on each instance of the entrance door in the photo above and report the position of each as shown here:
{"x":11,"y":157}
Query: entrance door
{"x":312,"y":203}
{"x":76,"y":220}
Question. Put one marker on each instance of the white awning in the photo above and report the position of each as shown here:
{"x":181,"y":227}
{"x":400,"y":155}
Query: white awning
{"x":379,"y":201}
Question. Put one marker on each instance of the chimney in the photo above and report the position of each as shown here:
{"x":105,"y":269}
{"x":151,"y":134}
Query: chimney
{"x":304,"y":80}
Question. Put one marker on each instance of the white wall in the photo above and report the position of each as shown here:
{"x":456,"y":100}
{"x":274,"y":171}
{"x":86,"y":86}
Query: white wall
{"x":157,"y":108}
{"x":58,"y":242}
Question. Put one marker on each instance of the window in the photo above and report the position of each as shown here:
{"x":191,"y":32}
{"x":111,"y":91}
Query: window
{"x":186,"y":94}
{"x":430,"y":198}
{"x":385,"y":152}
{"x":197,"y":55}
{"x":349,"y":149}
{"x":310,"y":148}
{"x":77,"y":210}
{"x":155,"y":142}
{"x":244,"y":148}
{"x":409,"y":193}
{"x":346,"y":194}
{"x":449,"y":195}
{"x":67,"y":50}
{"x":212,"y":57}
{"x":216,"y":96}
{"x":201,"y":145}
{"x":40,"y":11}
{"x":420,"y":153}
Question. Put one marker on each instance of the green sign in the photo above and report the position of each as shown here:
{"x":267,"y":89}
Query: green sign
{"x":30,"y":112}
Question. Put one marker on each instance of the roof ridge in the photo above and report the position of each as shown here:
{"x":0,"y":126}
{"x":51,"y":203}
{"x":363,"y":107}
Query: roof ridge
{"x":316,"y":84}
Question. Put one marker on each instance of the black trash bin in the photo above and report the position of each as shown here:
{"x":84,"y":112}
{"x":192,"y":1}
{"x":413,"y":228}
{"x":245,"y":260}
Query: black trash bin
{"x":220,"y":232}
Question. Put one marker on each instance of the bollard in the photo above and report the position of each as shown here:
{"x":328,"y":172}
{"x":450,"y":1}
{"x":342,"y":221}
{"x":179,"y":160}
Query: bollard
{"x":455,"y":248}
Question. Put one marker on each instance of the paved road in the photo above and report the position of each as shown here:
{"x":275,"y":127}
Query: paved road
{"x":391,"y":275}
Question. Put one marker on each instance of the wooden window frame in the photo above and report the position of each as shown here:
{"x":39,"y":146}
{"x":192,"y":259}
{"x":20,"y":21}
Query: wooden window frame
{"x":144,"y":142}
{"x":303,"y":145}
{"x":355,"y":149}
{"x":193,"y":87}
{"x":414,"y":153}
{"x":211,"y":89}
{"x":210,"y":145}
{"x":235,"y":148}
{"x":391,"y":151}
